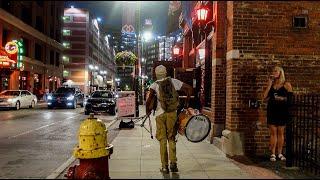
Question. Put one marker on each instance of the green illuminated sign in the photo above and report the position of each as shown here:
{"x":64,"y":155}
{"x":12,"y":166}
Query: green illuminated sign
{"x":20,"y":52}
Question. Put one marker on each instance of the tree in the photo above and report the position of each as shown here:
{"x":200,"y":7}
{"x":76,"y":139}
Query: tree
{"x":125,"y":58}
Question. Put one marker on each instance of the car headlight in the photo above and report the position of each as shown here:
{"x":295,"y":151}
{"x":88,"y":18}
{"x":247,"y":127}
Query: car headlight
{"x":70,"y":98}
{"x":49,"y":97}
{"x":10,"y":100}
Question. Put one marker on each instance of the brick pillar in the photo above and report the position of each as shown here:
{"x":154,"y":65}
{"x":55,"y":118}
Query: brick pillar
{"x":218,"y":100}
{"x":232,"y":139}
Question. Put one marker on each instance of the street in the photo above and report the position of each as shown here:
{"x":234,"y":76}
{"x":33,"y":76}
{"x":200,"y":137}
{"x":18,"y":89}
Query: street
{"x":37,"y":141}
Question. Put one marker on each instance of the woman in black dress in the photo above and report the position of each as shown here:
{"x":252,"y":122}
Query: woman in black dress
{"x":277,"y":110}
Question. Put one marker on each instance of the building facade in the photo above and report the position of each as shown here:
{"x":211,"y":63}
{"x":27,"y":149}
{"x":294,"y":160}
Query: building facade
{"x":151,"y":55}
{"x":89,"y":58}
{"x":243,"y":40}
{"x":37,"y":25}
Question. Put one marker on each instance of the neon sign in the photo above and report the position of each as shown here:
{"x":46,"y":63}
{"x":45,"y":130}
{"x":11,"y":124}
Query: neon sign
{"x":12,"y":54}
{"x":11,"y":47}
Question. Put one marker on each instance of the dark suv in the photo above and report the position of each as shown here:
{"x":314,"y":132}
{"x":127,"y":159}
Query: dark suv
{"x":66,"y":97}
{"x":101,"y":101}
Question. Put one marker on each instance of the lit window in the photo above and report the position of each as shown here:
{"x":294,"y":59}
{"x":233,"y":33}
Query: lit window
{"x":66,"y":59}
{"x":67,"y":19}
{"x":66,"y":44}
{"x":66,"y":32}
{"x":65,"y":73}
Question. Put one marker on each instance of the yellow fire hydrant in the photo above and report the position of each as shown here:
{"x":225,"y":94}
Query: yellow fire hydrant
{"x":93,"y":151}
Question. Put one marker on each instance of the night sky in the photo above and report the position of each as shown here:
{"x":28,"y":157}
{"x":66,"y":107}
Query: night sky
{"x":111,"y":12}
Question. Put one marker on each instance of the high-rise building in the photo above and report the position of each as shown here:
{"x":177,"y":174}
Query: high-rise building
{"x":128,"y":41}
{"x":165,"y":48}
{"x":89,"y":60}
{"x":34,"y":29}
{"x":151,"y":55}
{"x":114,"y":35}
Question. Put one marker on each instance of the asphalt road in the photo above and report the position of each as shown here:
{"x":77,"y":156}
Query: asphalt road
{"x":35,"y":142}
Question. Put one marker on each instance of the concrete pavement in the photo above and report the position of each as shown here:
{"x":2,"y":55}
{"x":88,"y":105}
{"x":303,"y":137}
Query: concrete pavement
{"x":136,"y":155}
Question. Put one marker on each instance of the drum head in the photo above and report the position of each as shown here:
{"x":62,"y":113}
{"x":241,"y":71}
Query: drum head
{"x":198,"y":128}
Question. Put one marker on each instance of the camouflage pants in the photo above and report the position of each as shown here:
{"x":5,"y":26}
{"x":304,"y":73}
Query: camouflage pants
{"x":166,"y":132}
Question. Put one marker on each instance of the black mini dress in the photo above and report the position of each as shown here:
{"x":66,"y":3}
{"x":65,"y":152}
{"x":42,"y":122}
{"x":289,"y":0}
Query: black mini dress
{"x":277,"y":111}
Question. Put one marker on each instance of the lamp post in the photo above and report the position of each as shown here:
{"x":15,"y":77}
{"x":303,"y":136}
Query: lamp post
{"x":202,"y":15}
{"x":146,"y":37}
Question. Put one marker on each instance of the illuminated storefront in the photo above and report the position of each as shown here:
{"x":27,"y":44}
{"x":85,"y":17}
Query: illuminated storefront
{"x":9,"y":61}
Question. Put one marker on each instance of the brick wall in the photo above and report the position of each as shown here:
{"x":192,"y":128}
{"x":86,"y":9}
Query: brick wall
{"x":260,"y":35}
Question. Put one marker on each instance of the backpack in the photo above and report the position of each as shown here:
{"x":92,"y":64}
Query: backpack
{"x":169,"y":98}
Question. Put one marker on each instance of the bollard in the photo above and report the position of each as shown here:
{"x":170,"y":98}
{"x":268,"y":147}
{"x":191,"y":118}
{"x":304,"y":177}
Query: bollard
{"x":93,"y":151}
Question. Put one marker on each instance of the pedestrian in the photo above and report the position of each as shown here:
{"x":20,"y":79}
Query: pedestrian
{"x":46,"y":93}
{"x":164,"y":90}
{"x":276,"y":93}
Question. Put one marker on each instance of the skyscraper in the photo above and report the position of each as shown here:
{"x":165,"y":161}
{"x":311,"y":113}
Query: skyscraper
{"x":128,"y":42}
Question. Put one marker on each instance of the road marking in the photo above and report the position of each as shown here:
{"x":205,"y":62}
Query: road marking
{"x":41,"y":127}
{"x":62,"y":168}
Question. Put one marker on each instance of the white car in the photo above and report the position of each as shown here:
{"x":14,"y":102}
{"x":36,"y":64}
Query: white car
{"x":17,"y":99}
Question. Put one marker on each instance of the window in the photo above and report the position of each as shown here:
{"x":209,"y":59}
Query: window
{"x":6,"y":5}
{"x":57,"y":59}
{"x":65,"y":59}
{"x":38,"y":52}
{"x":67,"y":19}
{"x":65,"y":73}
{"x":25,"y":93}
{"x":51,"y":57}
{"x":26,"y":15}
{"x":58,"y":35}
{"x":40,"y":3}
{"x":66,"y":32}
{"x":66,"y":44}
{"x":300,"y":22}
{"x":39,"y":23}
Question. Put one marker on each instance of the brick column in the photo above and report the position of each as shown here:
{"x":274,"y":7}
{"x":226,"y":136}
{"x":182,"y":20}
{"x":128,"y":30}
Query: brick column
{"x":218,"y":100}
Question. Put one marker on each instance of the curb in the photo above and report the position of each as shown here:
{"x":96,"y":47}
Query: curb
{"x":66,"y":164}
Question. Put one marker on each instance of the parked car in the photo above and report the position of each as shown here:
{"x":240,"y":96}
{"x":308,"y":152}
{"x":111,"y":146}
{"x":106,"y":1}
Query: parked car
{"x":17,"y":99}
{"x":101,"y":101}
{"x":66,"y":97}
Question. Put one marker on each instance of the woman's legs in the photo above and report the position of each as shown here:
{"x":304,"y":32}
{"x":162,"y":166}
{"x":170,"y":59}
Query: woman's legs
{"x":273,"y":138}
{"x":280,"y":136}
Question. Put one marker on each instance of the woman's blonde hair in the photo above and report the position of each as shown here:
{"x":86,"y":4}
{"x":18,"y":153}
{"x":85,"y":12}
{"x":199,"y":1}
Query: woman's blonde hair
{"x":282,"y":78}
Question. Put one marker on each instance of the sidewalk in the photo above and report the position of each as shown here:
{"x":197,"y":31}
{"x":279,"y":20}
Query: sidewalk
{"x":136,"y":155}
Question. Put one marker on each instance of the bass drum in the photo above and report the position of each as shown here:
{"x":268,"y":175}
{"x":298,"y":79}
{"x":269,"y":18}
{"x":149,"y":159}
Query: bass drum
{"x":195,"y":126}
